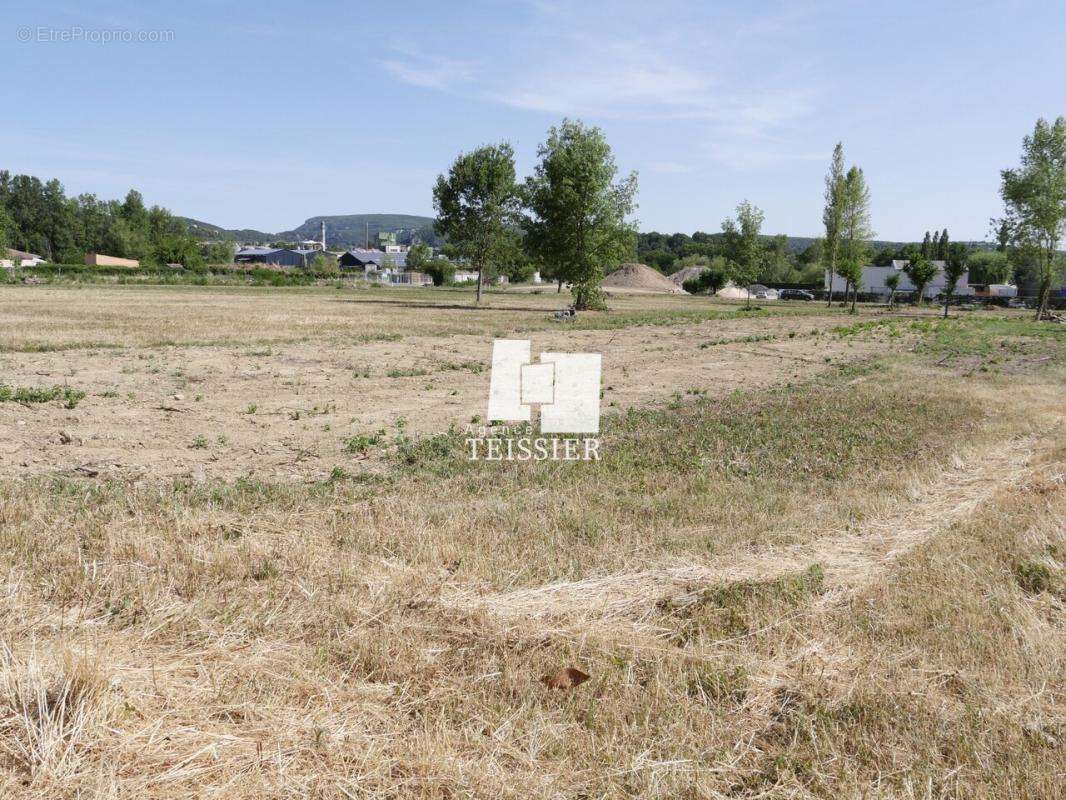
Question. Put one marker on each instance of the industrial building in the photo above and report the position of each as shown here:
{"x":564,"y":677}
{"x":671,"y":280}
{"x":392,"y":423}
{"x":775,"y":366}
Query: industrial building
{"x":101,"y":260}
{"x":277,"y":256}
{"x":369,"y":260}
{"x":873,"y":281}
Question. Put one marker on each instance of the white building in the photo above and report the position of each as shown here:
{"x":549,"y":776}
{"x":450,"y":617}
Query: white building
{"x":873,"y":281}
{"x":23,"y":259}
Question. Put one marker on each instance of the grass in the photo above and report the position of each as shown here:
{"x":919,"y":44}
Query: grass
{"x":351,"y":636}
{"x":69,"y":396}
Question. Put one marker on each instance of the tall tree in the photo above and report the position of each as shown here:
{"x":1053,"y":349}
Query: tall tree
{"x":577,"y":223}
{"x":833,"y":214}
{"x":477,"y":205}
{"x":926,"y":246}
{"x":747,"y":253}
{"x":856,"y":231}
{"x":1035,"y":198}
{"x":942,"y":247}
{"x":6,"y":229}
{"x":954,"y":268}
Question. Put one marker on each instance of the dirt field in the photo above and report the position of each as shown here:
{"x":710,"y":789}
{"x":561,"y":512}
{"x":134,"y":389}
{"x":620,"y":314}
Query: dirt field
{"x":821,"y":556}
{"x":228,"y":384}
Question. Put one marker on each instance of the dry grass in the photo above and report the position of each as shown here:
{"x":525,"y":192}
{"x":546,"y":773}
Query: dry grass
{"x":850,"y":586}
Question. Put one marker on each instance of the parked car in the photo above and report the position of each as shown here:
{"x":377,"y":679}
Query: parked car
{"x":760,"y":292}
{"x":795,"y":294}
{"x":1017,"y":302}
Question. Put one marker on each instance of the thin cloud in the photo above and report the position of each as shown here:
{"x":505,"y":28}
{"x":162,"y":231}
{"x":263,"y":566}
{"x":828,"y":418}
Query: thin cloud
{"x":434,"y":72}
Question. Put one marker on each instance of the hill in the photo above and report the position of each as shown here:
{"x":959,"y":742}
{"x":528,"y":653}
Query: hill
{"x":355,"y":229}
{"x":344,"y":230}
{"x":207,"y":231}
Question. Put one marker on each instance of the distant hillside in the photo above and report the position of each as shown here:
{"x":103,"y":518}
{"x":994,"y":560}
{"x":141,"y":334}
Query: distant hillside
{"x":346,"y":230}
{"x":205,"y":230}
{"x":351,"y":230}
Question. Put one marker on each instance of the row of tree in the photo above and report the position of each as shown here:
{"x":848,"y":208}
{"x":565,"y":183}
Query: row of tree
{"x":38,"y":217}
{"x":570,"y":218}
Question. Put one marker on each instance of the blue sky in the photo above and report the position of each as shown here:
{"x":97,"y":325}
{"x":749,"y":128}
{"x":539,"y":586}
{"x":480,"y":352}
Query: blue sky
{"x":262,"y":114}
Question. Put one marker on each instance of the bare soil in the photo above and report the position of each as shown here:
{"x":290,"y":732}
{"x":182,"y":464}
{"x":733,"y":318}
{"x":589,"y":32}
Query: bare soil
{"x":285,"y":410}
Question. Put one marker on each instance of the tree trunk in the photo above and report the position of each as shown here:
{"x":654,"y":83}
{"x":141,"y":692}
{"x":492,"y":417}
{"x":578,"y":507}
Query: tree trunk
{"x":478,"y":285}
{"x":947,"y":299}
{"x":1045,"y":284}
{"x":560,"y":289}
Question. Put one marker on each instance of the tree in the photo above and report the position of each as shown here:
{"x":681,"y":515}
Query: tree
{"x":477,"y":205}
{"x":710,"y":280}
{"x":927,"y":246}
{"x":892,"y":282}
{"x":855,"y":228}
{"x":851,"y":271}
{"x":989,"y":266}
{"x":663,"y":260}
{"x":6,"y":229}
{"x":744,"y":244}
{"x":920,"y":271}
{"x":577,"y":222}
{"x":778,"y":262}
{"x":942,"y":247}
{"x":440,"y":270}
{"x":833,"y":214}
{"x":324,"y":265}
{"x":219,"y":253}
{"x":418,"y":257}
{"x":1034,"y":195}
{"x":954,"y":268}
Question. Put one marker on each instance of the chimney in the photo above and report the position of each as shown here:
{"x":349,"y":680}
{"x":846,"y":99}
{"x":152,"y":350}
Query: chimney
{"x":323,"y":235}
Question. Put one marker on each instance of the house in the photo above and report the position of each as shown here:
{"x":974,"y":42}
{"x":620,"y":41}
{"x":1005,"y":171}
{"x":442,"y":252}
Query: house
{"x":873,"y":281}
{"x":101,"y":260}
{"x":277,"y":256}
{"x":464,"y":276}
{"x":23,"y":259}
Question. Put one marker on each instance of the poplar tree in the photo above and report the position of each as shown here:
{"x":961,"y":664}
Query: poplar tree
{"x":833,"y":214}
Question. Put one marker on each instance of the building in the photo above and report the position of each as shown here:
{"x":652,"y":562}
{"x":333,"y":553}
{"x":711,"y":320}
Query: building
{"x":21,"y":258}
{"x":873,"y":281}
{"x":372,"y":260}
{"x":101,"y":260}
{"x":276,"y":256}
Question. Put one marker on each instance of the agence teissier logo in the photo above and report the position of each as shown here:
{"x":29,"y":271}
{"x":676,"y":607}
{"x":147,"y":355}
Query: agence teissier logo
{"x":563,"y":387}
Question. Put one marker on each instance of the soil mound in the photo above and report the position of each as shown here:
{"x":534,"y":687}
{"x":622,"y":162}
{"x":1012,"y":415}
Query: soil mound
{"x":640,"y":278}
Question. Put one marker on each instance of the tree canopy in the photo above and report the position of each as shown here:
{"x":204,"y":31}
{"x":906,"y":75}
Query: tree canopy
{"x":577,"y":222}
{"x":477,"y":206}
{"x":38,"y":217}
{"x":1034,"y":195}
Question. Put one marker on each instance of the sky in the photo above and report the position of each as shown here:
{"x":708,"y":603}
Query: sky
{"x":260,"y":115}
